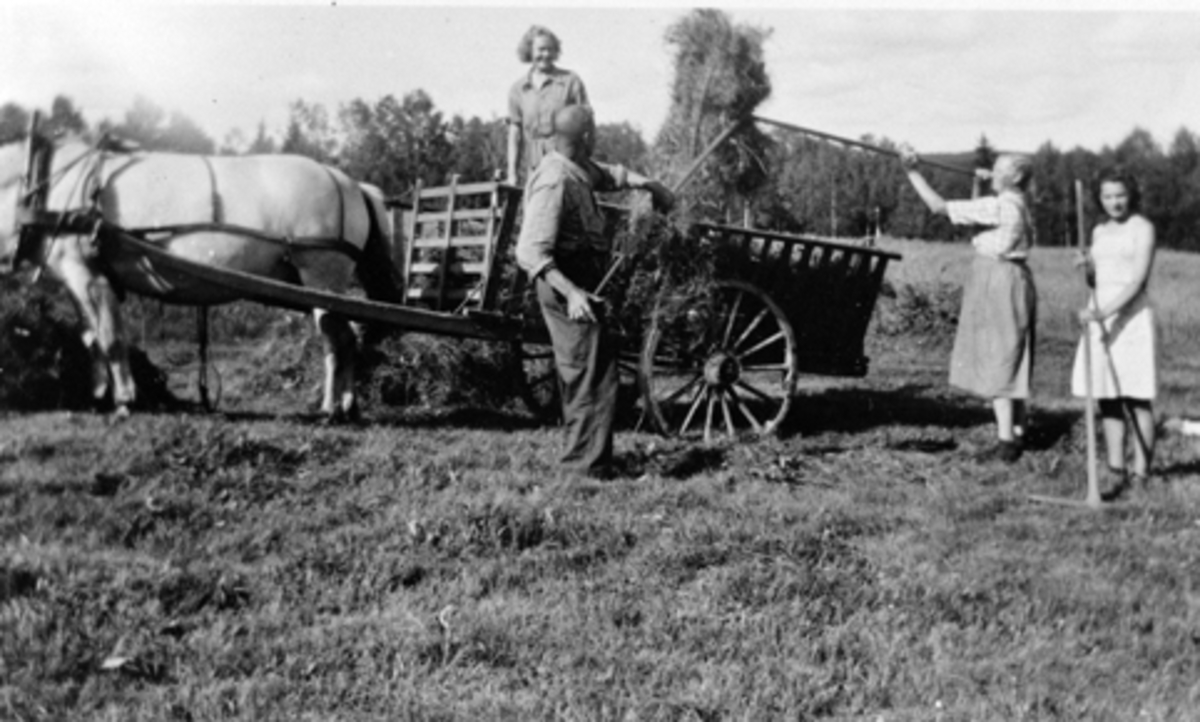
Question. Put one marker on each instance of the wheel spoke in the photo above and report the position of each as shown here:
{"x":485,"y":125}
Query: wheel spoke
{"x":718,"y":335}
{"x":681,"y":370}
{"x":708,"y":418}
{"x":779,"y":336}
{"x":766,"y":367}
{"x":728,"y":416}
{"x":681,"y":390}
{"x":687,"y":421}
{"x":539,"y":375}
{"x":756,"y":392}
{"x":737,"y":304}
{"x":741,"y":406}
{"x":753,"y":325}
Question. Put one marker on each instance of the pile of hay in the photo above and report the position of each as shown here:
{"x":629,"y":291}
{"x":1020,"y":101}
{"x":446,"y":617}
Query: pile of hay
{"x":393,"y":369}
{"x":720,"y":78}
{"x":43,"y":363}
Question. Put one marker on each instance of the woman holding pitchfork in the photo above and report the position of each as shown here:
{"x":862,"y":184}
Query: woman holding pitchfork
{"x":993,"y":345}
{"x":1120,"y":330}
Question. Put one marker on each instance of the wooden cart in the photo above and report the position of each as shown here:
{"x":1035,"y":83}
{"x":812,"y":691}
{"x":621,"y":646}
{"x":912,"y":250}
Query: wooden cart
{"x":726,"y":363}
{"x":720,"y":362}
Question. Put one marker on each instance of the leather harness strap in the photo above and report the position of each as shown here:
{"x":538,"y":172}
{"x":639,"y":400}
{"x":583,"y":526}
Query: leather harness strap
{"x":92,"y":182}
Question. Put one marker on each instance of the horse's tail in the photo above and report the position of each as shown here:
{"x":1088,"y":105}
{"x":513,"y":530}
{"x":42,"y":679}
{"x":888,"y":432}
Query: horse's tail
{"x":377,"y":268}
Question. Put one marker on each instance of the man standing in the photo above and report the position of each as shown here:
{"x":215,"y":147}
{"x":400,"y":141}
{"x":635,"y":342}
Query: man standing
{"x":563,"y":247}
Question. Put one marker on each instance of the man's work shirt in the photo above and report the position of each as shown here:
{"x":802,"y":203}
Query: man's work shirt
{"x":1009,"y":234}
{"x":562,"y":217}
{"x":532,"y":107}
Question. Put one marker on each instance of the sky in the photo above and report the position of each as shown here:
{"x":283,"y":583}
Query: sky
{"x":1072,"y":73}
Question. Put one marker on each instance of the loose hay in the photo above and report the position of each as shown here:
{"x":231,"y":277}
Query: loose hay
{"x":43,"y":362}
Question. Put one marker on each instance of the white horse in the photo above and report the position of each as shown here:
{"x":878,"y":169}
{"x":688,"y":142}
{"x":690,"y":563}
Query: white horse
{"x":283,"y":217}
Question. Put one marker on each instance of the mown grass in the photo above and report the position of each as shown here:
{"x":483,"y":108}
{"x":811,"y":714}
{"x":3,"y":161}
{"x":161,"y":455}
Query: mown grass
{"x":435,"y":565}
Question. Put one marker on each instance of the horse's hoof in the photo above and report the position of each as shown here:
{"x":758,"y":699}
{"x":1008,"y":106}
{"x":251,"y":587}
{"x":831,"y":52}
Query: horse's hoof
{"x":119,"y":414}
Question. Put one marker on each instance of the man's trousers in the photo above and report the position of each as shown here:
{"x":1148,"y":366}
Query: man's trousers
{"x":586,"y":357}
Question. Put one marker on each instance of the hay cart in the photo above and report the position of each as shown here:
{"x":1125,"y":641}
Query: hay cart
{"x":727,"y":362}
{"x":719,"y":363}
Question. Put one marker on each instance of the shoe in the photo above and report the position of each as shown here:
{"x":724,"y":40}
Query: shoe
{"x":1119,"y":487}
{"x":1009,"y":451}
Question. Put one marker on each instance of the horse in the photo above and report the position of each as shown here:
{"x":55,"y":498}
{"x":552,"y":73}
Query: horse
{"x":284,"y":217}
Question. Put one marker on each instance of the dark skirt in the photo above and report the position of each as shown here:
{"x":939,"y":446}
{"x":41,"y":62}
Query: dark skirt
{"x":993,"y":348}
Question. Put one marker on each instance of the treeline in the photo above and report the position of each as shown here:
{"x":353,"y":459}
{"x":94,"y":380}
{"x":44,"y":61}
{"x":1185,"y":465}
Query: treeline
{"x":811,"y":186}
{"x":823,"y":188}
{"x":392,"y":143}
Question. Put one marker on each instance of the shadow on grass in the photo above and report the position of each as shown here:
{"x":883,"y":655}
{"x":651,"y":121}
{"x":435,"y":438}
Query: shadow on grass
{"x":463,"y":417}
{"x":1186,"y":468}
{"x":861,"y":409}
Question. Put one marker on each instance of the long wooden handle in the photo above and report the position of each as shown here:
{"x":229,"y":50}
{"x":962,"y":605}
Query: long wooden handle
{"x":858,"y":144}
{"x":1093,"y":490}
{"x":712,"y":148}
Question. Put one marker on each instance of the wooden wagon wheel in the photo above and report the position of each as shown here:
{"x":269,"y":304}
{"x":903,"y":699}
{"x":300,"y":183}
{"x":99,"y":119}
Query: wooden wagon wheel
{"x":538,"y":379}
{"x":720,"y":365}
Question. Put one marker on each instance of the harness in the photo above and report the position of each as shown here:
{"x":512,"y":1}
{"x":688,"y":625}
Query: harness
{"x":37,"y":224}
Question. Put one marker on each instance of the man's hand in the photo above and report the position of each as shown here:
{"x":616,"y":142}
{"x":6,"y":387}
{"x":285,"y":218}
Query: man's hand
{"x":908,"y":157}
{"x":579,"y":305}
{"x":661,"y":196}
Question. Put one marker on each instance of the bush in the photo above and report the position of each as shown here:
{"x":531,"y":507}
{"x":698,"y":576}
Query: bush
{"x":921,"y":309}
{"x":43,"y":363}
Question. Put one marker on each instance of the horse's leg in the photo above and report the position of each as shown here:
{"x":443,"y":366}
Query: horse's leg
{"x":67,"y":262}
{"x":110,"y":335}
{"x":338,"y":401}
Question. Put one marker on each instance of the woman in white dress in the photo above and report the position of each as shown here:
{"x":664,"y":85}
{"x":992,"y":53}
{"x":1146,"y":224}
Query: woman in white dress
{"x":1119,"y":319}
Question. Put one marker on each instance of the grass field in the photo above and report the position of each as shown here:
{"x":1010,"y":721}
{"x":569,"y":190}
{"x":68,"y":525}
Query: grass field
{"x":434,"y":565}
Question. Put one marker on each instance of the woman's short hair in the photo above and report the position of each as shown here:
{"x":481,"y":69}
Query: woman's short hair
{"x":1020,"y":167}
{"x":1119,"y":174}
{"x":525,"y":47}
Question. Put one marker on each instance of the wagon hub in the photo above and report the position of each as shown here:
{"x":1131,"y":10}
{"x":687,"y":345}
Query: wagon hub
{"x":722,"y":369}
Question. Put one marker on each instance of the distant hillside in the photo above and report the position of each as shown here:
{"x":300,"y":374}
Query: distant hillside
{"x":965,"y":160}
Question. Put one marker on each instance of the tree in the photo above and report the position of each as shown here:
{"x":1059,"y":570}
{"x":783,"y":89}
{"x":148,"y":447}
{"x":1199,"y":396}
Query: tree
{"x":262,"y":143}
{"x":14,"y":123}
{"x":182,"y":135}
{"x":985,"y":155}
{"x":234,"y":143}
{"x":309,"y":132}
{"x":394,"y":143}
{"x":478,"y":147}
{"x":621,"y":143}
{"x":152,"y":128}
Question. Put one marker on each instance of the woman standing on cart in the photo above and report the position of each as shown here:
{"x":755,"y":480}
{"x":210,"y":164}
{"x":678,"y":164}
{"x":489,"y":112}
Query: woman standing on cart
{"x":533,"y":101}
{"x":1120,"y":329}
{"x":993,"y":346}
